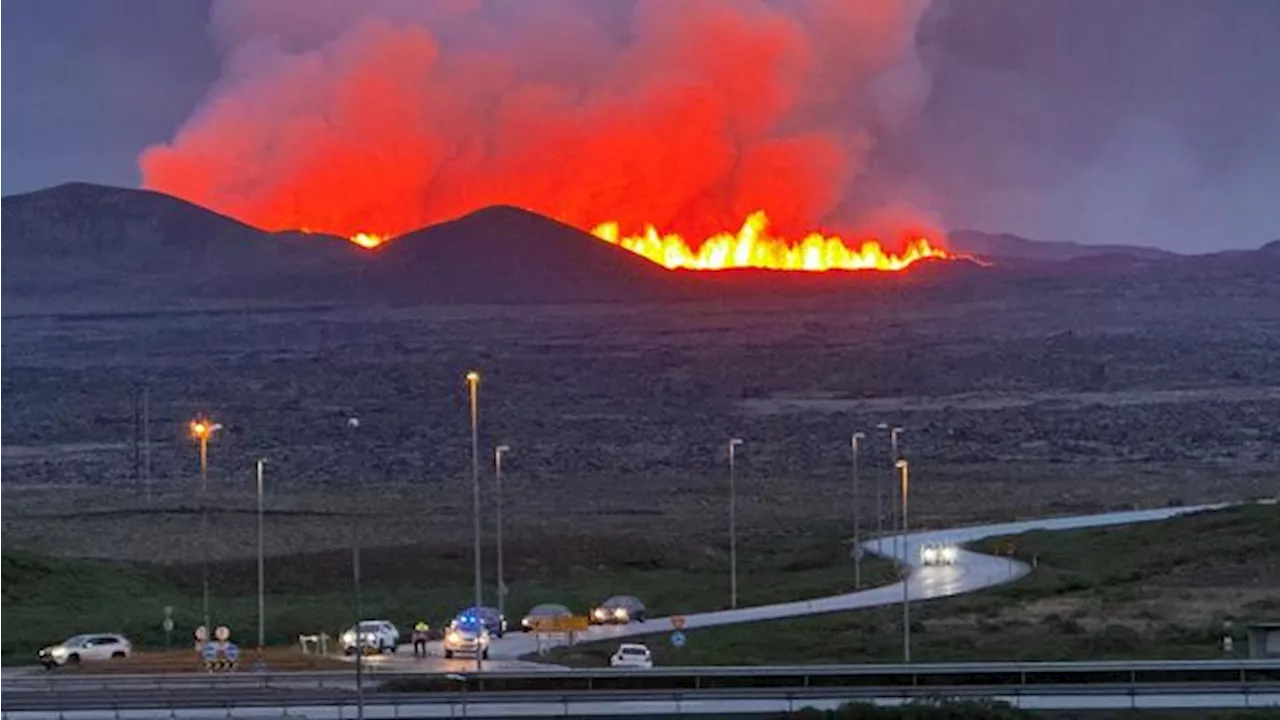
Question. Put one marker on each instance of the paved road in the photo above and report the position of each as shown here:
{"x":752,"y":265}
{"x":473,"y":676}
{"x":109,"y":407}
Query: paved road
{"x":972,"y":571}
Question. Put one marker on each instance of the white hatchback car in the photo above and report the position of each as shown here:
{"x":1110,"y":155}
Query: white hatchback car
{"x":632,"y":655}
{"x":86,"y":648}
{"x":375,"y":635}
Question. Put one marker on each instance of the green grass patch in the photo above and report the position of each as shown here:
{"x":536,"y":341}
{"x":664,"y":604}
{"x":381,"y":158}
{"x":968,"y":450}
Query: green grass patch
{"x":47,"y":599}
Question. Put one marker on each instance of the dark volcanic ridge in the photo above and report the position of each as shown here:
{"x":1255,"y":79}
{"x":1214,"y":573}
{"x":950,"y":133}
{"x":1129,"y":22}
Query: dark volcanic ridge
{"x":78,"y":247}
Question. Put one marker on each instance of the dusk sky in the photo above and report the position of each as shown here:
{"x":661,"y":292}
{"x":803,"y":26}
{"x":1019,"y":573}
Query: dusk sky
{"x":1152,"y":122}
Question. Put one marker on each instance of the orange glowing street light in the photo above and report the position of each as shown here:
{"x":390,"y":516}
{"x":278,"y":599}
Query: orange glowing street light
{"x":202,"y":429}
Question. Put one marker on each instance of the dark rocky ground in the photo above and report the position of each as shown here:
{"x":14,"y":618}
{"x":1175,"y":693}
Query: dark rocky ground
{"x":1017,"y":399}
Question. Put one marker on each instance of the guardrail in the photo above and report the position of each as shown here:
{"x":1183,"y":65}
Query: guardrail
{"x":742,"y":701}
{"x":1240,"y":672}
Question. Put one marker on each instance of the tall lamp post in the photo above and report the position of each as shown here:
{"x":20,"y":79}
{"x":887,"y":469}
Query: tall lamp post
{"x":894,"y":432}
{"x":498,"y":452}
{"x":353,"y":423}
{"x":857,"y":514}
{"x":202,"y":429}
{"x":262,"y":567}
{"x":473,"y":390}
{"x":901,"y":465}
{"x":733,"y":523}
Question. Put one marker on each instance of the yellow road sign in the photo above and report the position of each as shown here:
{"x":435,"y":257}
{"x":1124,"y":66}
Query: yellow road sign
{"x":677,"y":622}
{"x":571,"y":623}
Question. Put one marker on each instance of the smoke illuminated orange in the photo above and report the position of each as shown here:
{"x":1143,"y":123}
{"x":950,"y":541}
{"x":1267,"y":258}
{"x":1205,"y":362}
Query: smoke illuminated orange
{"x":752,"y":247}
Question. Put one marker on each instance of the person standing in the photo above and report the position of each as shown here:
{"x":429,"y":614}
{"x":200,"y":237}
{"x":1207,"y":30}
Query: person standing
{"x":420,"y":632}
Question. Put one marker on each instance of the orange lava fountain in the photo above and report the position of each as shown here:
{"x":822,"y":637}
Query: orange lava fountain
{"x":752,"y":247}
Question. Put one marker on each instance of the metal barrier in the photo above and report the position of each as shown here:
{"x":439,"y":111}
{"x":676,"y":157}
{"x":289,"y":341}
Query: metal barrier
{"x":923,"y":675}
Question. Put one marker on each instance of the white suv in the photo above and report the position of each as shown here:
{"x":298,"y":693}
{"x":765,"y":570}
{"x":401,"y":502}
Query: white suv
{"x":86,"y":648}
{"x":632,"y":655}
{"x":374,"y":635}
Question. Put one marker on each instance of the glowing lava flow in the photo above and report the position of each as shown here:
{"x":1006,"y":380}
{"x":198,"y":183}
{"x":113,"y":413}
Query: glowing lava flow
{"x":753,"y":248}
{"x":367,"y":240}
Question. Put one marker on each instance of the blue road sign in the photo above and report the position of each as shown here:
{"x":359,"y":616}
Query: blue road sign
{"x":209,"y":651}
{"x":678,"y":639}
{"x":231,"y":652}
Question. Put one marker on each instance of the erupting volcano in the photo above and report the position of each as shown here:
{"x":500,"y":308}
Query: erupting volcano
{"x":674,"y":121}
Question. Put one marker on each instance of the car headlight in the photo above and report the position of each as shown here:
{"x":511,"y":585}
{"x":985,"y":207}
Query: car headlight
{"x":620,"y":613}
{"x":348,"y":637}
{"x":601,"y":613}
{"x":451,"y":637}
{"x":949,"y":554}
{"x":58,"y":652}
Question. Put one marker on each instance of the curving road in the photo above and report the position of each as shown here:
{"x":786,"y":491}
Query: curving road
{"x":972,"y":571}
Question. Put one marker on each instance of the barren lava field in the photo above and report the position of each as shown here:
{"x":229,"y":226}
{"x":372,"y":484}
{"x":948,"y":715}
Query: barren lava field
{"x":1015,"y":404}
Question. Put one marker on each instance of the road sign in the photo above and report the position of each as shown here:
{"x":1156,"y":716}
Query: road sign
{"x":202,"y":634}
{"x":167,"y":624}
{"x":678,"y":639}
{"x":231,"y":652}
{"x":571,"y":623}
{"x":222,"y":633}
{"x":677,"y":622}
{"x":209,"y":651}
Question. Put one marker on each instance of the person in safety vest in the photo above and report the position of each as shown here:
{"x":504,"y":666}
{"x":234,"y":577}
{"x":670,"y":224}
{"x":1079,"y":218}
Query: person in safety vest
{"x":420,"y":638}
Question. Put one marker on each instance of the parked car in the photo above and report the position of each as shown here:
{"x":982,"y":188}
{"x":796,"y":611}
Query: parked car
{"x":632,"y":655}
{"x":545,"y":611}
{"x":376,"y":635}
{"x":86,"y":648}
{"x":466,"y":636}
{"x":493,"y":621}
{"x":620,"y":609}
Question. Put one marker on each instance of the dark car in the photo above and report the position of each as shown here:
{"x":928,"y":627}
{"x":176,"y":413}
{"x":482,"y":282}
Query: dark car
{"x":545,"y":611}
{"x":619,"y":609}
{"x":492,"y":620}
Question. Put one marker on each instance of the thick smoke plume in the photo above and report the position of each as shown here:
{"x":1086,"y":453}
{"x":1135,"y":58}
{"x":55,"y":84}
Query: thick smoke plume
{"x":382,"y":117}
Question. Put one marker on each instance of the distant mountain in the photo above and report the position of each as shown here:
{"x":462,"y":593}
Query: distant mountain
{"x":90,"y":245}
{"x":1004,"y":246}
{"x":505,"y":254}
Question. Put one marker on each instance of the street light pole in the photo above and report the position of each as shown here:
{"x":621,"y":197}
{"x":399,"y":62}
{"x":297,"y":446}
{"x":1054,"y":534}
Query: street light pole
{"x":202,"y":430}
{"x":894,"y":431}
{"x":906,"y":571}
{"x":857,"y":514}
{"x":498,"y":452}
{"x":356,"y":583}
{"x":473,"y":388}
{"x":733,"y":524}
{"x":262,"y":569}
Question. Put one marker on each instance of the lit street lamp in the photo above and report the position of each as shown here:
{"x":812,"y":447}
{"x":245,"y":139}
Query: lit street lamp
{"x":262,"y":568}
{"x":733,"y":524}
{"x":202,"y":429}
{"x":498,"y":452}
{"x":473,"y":389}
{"x":857,"y":515}
{"x":894,"y":431}
{"x":906,"y":570}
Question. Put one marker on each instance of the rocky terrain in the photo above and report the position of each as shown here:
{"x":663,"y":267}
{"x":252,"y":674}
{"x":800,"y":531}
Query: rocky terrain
{"x":1020,"y":393}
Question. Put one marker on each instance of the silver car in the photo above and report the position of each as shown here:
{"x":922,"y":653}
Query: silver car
{"x":86,"y":648}
{"x":619,"y":609}
{"x":545,"y":611}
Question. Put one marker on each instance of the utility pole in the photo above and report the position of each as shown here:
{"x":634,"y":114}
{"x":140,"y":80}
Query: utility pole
{"x":733,"y":524}
{"x":262,"y":566}
{"x":906,"y":571}
{"x":146,"y":442}
{"x":857,"y":515}
{"x":498,"y":452}
{"x":473,"y":388}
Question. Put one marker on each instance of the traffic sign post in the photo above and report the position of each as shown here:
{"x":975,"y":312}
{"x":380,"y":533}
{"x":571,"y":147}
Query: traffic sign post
{"x":678,"y":639}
